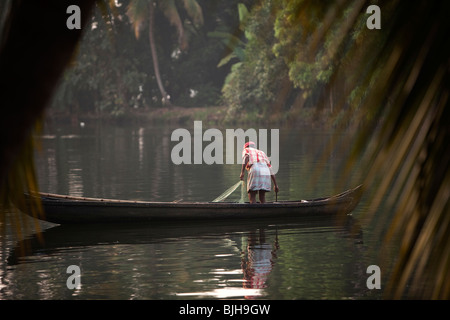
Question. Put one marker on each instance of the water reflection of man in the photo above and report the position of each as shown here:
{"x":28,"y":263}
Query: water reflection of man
{"x":259,"y":262}
{"x":259,"y":172}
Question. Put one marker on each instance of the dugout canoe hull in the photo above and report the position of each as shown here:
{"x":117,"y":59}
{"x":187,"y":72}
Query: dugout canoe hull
{"x":62,"y":209}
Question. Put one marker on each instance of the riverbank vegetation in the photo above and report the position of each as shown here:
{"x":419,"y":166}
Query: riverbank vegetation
{"x":255,"y":60}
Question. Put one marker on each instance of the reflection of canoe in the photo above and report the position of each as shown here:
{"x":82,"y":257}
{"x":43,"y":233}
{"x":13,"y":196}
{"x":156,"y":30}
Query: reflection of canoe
{"x":59,"y":238}
{"x":65,"y":209}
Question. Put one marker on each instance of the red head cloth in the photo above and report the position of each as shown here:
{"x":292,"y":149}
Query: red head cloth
{"x":249,"y":144}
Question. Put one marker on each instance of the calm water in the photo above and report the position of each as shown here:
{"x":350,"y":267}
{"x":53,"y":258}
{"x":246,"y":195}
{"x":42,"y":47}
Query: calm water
{"x":304,"y":259}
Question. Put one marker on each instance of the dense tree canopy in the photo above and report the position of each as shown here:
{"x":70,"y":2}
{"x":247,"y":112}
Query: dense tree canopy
{"x":267,"y":59}
{"x":114,"y":69}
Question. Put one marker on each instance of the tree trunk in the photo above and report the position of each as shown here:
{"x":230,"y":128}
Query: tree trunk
{"x":165,"y":96}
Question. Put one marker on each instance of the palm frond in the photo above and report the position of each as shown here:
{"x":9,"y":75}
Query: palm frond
{"x":21,"y":179}
{"x":399,"y":78}
{"x":137,"y":12}
{"x":194,"y":11}
{"x":170,"y":10}
{"x":409,"y":148}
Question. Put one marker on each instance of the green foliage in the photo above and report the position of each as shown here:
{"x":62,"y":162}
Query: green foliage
{"x":103,"y":79}
{"x":252,"y":83}
{"x":113,"y":72}
{"x":316,"y":46}
{"x":232,"y":42}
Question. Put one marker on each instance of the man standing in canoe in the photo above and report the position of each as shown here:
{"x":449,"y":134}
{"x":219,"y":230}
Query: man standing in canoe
{"x":260,"y":172}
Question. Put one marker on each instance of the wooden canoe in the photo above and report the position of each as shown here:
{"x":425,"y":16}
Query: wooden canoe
{"x":63,"y":209}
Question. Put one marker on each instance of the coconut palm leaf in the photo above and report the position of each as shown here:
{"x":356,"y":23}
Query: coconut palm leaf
{"x":194,"y":11}
{"x":399,"y":78}
{"x":137,"y":12}
{"x":171,"y":12}
{"x":409,"y":149}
